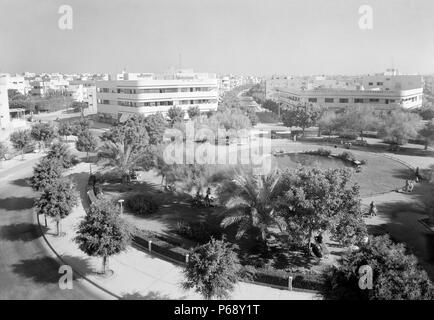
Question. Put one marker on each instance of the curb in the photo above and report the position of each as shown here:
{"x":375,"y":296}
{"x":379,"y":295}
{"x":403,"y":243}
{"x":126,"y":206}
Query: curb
{"x":73,"y":269}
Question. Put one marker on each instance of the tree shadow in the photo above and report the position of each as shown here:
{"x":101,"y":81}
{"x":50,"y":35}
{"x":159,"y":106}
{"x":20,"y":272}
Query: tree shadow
{"x":151,"y":295}
{"x":80,"y":265}
{"x":39,"y":270}
{"x":404,"y":174}
{"x":24,"y":182}
{"x":21,"y":232}
{"x":16,"y":203}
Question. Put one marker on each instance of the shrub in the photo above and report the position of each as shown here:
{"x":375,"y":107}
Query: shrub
{"x":346,"y":155}
{"x":280,"y":278}
{"x":200,"y":232}
{"x":348,"y":135}
{"x":142,"y":204}
{"x":320,"y":152}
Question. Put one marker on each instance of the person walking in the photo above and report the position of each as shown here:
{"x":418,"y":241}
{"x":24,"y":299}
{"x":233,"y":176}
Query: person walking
{"x":372,"y":209}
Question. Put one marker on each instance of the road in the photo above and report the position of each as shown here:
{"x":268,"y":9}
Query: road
{"x":27,"y":271}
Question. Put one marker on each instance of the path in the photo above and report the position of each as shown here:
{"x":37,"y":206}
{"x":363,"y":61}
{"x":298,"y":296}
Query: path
{"x":138,"y":275}
{"x":27,"y":269}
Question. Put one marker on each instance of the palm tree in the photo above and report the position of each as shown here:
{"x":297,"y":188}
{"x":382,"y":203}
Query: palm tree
{"x":249,"y":201}
{"x":121,"y":156}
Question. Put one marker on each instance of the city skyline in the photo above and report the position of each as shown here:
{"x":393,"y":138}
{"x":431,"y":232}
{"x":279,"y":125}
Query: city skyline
{"x":239,"y":37}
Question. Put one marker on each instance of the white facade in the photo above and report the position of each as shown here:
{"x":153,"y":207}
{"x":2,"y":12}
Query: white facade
{"x":119,"y":98}
{"x":4,"y":103}
{"x":381,"y":91}
{"x":43,"y":87}
{"x":18,"y":83}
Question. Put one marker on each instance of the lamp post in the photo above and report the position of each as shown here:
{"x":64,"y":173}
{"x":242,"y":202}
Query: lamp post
{"x":121,"y":201}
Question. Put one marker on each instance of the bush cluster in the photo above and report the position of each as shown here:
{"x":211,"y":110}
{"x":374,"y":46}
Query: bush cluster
{"x":142,"y":204}
{"x":200,"y":232}
{"x":320,"y":152}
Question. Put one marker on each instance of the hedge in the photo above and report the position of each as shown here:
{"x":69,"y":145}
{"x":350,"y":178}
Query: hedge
{"x":164,"y":247}
{"x":174,"y":251}
{"x":280,"y":278}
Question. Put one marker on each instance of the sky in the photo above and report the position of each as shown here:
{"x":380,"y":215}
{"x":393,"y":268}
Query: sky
{"x":250,"y":37}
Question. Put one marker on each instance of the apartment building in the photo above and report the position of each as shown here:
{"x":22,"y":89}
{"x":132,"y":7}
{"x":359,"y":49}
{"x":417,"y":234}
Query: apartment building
{"x":84,"y":91}
{"x":150,"y":93}
{"x":385,"y":91}
{"x":43,"y":87}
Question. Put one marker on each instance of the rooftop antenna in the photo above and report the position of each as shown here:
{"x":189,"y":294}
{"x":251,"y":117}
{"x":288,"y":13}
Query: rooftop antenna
{"x":180,"y":62}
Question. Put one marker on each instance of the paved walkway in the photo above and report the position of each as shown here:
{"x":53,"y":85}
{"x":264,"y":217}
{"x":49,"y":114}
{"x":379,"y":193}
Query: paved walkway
{"x":138,"y":275}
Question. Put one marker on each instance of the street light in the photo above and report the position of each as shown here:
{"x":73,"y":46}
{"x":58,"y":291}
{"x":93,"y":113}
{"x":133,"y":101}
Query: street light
{"x":121,"y":201}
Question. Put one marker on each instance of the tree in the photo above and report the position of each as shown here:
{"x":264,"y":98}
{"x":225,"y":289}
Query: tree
{"x":60,"y":152}
{"x":80,"y":125}
{"x":212,"y":270}
{"x":396,"y":275}
{"x":43,"y":132}
{"x":316,"y":201}
{"x":400,"y":126}
{"x":428,"y":133}
{"x":86,"y":142}
{"x":125,"y":145}
{"x":65,"y":129}
{"x":300,"y":116}
{"x":102,"y":232}
{"x":357,"y":119}
{"x":271,"y":105}
{"x":20,"y":140}
{"x":57,"y":201}
{"x":175,"y":114}
{"x":193,"y":112}
{"x":45,"y":172}
{"x":3,"y":150}
{"x":249,"y":201}
{"x":328,"y":122}
{"x":155,"y":125}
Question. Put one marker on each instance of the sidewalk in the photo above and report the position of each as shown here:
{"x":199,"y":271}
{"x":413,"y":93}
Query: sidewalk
{"x":138,"y":275}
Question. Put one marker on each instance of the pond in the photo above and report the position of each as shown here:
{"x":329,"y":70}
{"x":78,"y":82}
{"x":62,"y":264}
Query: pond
{"x":294,"y":160}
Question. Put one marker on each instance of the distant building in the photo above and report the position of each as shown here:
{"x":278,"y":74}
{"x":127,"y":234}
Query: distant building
{"x":384,"y":91}
{"x":4,"y":104}
{"x":45,"y":86}
{"x":148,"y":93}
{"x":84,"y":91}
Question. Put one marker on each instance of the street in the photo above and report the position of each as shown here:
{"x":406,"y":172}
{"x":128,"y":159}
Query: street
{"x":27,"y":271}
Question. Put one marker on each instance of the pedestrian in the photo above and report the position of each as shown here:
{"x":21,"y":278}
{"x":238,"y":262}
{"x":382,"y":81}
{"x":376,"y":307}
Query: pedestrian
{"x":207,"y":197}
{"x":372,"y":209}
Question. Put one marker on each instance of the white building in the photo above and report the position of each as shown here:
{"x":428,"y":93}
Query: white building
{"x":385,"y":91}
{"x":84,"y":91}
{"x":4,"y":104}
{"x":44,"y":86}
{"x":149,"y":93}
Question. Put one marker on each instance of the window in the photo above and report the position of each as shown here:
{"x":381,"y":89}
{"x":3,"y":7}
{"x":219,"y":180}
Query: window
{"x":312,"y":99}
{"x":370,"y":83}
{"x":374,"y":100}
{"x":358,"y":100}
{"x":343,"y":100}
{"x":379,"y":83}
{"x":329,"y":100}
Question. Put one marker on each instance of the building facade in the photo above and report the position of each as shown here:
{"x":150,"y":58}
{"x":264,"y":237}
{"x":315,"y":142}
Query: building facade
{"x":149,"y":94}
{"x":384,"y":92}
